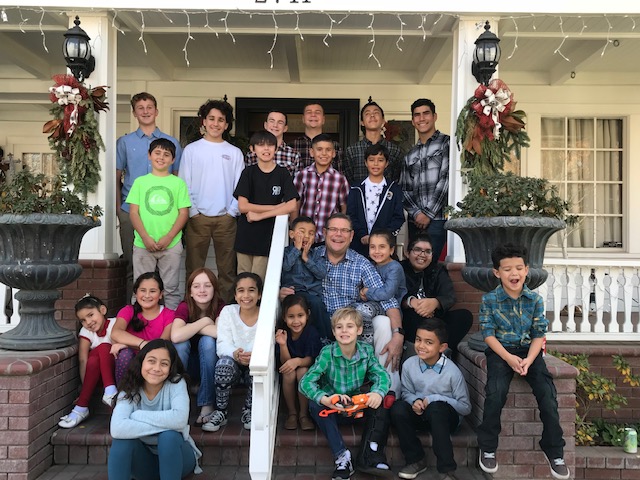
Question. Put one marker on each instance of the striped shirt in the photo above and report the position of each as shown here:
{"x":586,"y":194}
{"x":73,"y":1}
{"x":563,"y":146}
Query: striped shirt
{"x":321,"y":194}
{"x":425,"y":177}
{"x":286,"y":157}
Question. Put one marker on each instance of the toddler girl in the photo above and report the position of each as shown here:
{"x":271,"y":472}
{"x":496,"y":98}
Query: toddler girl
{"x":149,"y":424}
{"x":297,"y":346}
{"x":145,"y":320}
{"x":94,"y":358}
{"x":237,"y":326}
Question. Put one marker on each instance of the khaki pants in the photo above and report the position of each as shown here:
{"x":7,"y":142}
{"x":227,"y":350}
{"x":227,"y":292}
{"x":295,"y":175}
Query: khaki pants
{"x":252,"y":263}
{"x":200,"y":230}
{"x":168,"y":263}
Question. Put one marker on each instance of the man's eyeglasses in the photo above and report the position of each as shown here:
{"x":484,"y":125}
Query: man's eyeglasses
{"x":418,"y":251}
{"x":344,"y":231}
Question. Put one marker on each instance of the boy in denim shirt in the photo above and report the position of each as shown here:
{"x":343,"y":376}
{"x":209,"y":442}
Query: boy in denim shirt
{"x":513,"y":325}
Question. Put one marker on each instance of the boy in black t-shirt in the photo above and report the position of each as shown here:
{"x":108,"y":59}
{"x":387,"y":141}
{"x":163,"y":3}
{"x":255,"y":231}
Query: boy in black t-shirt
{"x":264,"y":191}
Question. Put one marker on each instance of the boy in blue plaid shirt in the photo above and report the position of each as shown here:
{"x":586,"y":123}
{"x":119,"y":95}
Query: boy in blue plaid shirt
{"x":341,"y":369}
{"x":513,"y":325}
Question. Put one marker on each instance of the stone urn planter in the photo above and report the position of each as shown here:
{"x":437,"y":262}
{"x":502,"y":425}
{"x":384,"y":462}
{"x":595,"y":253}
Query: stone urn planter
{"x":38,"y":255}
{"x":480,"y":235}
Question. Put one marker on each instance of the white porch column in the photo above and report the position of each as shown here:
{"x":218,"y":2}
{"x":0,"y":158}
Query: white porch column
{"x":99,"y":243}
{"x":463,"y":84}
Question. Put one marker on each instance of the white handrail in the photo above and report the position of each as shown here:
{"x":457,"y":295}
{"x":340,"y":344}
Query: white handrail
{"x":266,"y":388}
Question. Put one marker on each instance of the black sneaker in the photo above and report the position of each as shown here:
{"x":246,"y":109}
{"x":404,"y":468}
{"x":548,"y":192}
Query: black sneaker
{"x":413,"y":469}
{"x":344,"y":467}
{"x":488,"y":462}
{"x":558,"y":467}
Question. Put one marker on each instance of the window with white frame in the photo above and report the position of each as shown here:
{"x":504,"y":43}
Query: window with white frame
{"x":583,"y":157}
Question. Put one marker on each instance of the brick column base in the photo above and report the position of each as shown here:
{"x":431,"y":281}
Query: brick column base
{"x":519,"y":455}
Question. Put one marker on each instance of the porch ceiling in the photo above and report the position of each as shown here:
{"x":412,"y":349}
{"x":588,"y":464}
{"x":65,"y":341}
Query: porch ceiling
{"x":547,"y":48}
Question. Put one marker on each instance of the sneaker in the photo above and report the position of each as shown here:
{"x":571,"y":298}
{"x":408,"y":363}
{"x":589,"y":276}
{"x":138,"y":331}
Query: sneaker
{"x":218,"y":419}
{"x":245,"y":418}
{"x":344,"y":467}
{"x":558,"y":467}
{"x":73,"y":419}
{"x":413,"y":469}
{"x":108,"y":399}
{"x":488,"y":462}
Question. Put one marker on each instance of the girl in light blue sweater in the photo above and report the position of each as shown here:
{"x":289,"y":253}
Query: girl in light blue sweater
{"x":149,"y":424}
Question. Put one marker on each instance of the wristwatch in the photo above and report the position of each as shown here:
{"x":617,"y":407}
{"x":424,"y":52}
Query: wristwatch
{"x":399,"y":330}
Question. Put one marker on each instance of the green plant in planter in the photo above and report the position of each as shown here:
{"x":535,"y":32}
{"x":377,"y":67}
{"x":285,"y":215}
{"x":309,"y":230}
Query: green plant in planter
{"x":505,"y":194}
{"x":27,"y":193}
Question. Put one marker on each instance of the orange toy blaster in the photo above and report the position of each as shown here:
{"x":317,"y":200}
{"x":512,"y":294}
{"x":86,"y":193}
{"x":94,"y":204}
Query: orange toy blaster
{"x":353,"y":409}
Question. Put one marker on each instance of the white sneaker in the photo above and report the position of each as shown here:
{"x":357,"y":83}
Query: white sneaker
{"x":108,"y":399}
{"x":246,"y":418}
{"x":73,"y":419}
{"x":218,"y":419}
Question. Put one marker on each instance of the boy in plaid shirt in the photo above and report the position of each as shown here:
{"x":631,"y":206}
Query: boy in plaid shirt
{"x":341,"y":369}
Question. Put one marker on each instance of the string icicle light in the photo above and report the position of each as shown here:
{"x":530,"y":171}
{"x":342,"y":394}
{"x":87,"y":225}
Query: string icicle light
{"x":226,"y":27}
{"x":584,"y":25}
{"x":324,"y":40}
{"x":608,"y":36}
{"x":141,"y":38}
{"x":23,"y":21}
{"x":44,"y":37}
{"x":515,"y":43}
{"x":189,"y":37}
{"x":564,"y":39}
{"x":297,"y":29}
{"x":275,"y":39}
{"x":400,"y":38}
{"x":113,"y":22}
{"x":206,"y":25}
{"x":423,"y":18}
{"x":373,"y":41}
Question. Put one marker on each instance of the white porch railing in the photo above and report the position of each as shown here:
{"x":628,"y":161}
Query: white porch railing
{"x":590,"y":300}
{"x":266,"y":388}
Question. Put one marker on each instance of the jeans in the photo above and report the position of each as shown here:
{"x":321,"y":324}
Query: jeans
{"x":329,"y":427}
{"x":205,"y":358}
{"x":435,"y":230}
{"x":131,"y":458}
{"x":499,"y":376}
{"x":439,"y":418}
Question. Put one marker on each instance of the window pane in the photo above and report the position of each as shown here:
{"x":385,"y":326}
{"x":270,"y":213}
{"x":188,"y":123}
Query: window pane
{"x":579,"y":165}
{"x":553,"y":164}
{"x":609,"y":232}
{"x":580,"y":133}
{"x":609,"y":199}
{"x":553,"y":133}
{"x":609,"y":132}
{"x":581,"y":197}
{"x":609,"y":166}
{"x":581,"y":234}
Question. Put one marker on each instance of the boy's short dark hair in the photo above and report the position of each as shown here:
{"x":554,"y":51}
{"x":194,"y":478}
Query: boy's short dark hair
{"x":436,"y":326}
{"x":286,"y":118}
{"x":376,"y":149}
{"x":312,"y":102}
{"x":340,"y":215}
{"x":163,"y":144}
{"x":224,"y":107}
{"x":386,"y":233}
{"x":138,"y":97}
{"x":302,"y":219}
{"x":262,"y":137}
{"x":370,"y":104}
{"x":423,"y":102}
{"x":423,"y":237}
{"x":509,"y":250}
{"x":321,"y":137}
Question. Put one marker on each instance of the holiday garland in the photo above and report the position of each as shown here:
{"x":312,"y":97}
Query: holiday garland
{"x":74,"y":134}
{"x":489,"y":128}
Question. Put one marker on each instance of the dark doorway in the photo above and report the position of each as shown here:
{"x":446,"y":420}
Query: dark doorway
{"x":342,"y":117}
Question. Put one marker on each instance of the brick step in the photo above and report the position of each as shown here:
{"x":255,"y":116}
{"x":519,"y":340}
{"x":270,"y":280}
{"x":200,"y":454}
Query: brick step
{"x":88,"y":443}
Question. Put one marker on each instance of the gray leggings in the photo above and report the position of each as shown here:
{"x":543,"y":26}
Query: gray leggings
{"x":229,"y":373}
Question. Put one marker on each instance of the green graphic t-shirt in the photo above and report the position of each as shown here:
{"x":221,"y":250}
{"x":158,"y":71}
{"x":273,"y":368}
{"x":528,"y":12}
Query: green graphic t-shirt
{"x":158,"y":199}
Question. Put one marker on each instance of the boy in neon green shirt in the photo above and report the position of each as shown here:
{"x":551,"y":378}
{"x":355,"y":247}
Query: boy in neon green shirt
{"x":159,"y":209}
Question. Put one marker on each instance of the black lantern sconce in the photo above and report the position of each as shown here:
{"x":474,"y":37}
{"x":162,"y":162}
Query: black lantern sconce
{"x":486,"y":55}
{"x":77,"y":52}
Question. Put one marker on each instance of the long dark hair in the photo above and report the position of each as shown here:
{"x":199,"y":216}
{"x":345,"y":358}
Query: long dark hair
{"x":288,"y":302}
{"x":214,"y":305}
{"x":137,"y":324}
{"x":133,"y":382}
{"x":253,"y":276}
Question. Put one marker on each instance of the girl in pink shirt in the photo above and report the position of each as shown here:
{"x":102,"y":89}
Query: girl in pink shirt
{"x":141,"y":322}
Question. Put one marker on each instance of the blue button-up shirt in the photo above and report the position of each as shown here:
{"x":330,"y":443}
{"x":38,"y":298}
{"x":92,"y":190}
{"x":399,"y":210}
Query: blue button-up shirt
{"x":132,"y":157}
